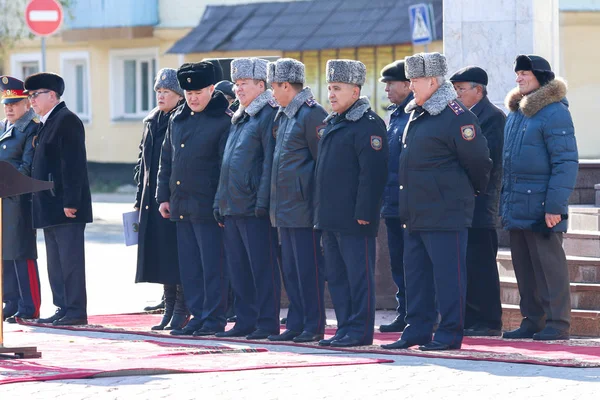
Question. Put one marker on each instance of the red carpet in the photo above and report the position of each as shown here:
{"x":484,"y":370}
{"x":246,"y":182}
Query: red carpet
{"x":573,"y":353}
{"x":71,"y":357}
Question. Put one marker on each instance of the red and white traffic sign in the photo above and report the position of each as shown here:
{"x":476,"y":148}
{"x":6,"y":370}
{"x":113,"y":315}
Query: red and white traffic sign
{"x":43,"y":17}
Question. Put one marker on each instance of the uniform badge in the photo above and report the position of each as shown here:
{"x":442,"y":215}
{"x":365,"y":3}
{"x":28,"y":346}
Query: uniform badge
{"x":320,"y":131}
{"x":4,"y":80}
{"x":34,"y":141}
{"x":311,"y":102}
{"x":454,"y":106}
{"x":468,"y":132}
{"x":234,"y":70}
{"x":331,"y":72}
{"x":189,"y":80}
{"x":376,"y":142}
{"x":163,"y":77}
{"x":229,"y":112}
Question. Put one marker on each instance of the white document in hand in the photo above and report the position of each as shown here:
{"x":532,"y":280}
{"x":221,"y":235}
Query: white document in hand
{"x":131,"y":226}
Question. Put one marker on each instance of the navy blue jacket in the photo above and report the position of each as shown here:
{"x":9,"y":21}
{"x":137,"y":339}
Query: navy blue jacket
{"x":398,"y":121}
{"x":540,"y":158}
{"x":351,"y":171}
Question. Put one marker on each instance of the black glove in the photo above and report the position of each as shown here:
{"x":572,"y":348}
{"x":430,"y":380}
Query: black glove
{"x":218,"y":217}
{"x":260,"y":212}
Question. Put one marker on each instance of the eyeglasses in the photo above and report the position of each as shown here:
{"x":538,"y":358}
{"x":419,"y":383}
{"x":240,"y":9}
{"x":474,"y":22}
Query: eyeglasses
{"x":36,"y":94}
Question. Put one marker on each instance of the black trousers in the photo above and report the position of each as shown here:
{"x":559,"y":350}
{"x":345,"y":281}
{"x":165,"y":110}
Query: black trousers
{"x":543,"y":279}
{"x":66,"y":268}
{"x":484,"y":307}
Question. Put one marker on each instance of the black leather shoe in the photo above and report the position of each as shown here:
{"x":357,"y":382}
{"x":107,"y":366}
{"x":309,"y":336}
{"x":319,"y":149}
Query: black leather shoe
{"x":68,"y":321}
{"x":233,"y":332}
{"x":399,"y":344}
{"x":397,"y":325}
{"x":206,"y":331}
{"x":259,"y":334}
{"x":347,"y":341}
{"x":519,"y":333}
{"x":232,"y":319}
{"x":438,"y":346}
{"x":13,"y":319}
{"x":159,"y":306}
{"x":57,"y":315}
{"x":286,"y":336}
{"x":178,"y":322}
{"x":327,"y":342}
{"x":283,"y":321}
{"x":306,"y":337}
{"x":482,"y":331}
{"x":9,"y":310}
{"x":183,"y":331}
{"x":549,"y":333}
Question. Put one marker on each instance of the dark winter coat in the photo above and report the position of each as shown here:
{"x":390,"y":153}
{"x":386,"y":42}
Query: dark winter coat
{"x":540,"y":157}
{"x":444,"y":163}
{"x":16,"y":147}
{"x":351,"y":172}
{"x":398,"y":121}
{"x":245,"y":182}
{"x":297,"y":144}
{"x":491,"y":120}
{"x":60,"y":157}
{"x":191,"y":160}
{"x":157,"y":260}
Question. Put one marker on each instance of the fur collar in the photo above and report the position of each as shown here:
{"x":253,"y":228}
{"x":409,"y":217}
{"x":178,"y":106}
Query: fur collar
{"x":356,"y":111}
{"x":257,"y":104}
{"x":437,"y":102}
{"x":22,"y":123}
{"x":292,"y":108}
{"x":553,"y":92}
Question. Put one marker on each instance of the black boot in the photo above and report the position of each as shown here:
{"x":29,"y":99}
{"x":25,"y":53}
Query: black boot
{"x":181,"y":315}
{"x":170,"y":296}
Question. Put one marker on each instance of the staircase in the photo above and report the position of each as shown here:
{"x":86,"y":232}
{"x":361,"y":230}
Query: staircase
{"x":582,"y":246}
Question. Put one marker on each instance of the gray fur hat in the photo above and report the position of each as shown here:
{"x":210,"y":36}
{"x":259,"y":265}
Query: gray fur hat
{"x":167,"y":79}
{"x":425,"y":65}
{"x":346,"y":71}
{"x":286,"y":70}
{"x":249,"y":68}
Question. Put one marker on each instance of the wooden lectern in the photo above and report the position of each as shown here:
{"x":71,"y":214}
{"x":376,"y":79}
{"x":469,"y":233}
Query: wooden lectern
{"x":14,"y":183}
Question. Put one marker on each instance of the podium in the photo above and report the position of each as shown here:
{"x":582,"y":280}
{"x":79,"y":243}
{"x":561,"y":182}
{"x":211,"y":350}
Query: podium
{"x":14,"y":183}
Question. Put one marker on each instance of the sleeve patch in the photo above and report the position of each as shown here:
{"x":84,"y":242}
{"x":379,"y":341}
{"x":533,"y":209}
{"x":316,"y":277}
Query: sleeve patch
{"x":311,"y":102}
{"x":320,"y":131}
{"x":468,"y":132}
{"x":456,"y":107}
{"x":376,"y":142}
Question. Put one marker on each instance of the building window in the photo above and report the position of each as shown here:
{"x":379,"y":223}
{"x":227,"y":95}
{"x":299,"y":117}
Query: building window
{"x":24,"y":64}
{"x":75,"y":72}
{"x":133,"y":75}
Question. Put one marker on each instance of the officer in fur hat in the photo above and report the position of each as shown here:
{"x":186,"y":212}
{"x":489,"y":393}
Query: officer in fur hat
{"x":540,"y":169}
{"x":299,"y":124}
{"x":62,"y":212}
{"x":483,"y":316}
{"x":350,"y":177}
{"x":187,"y":182}
{"x":21,"y":282}
{"x":242,"y":204}
{"x":444,"y":163}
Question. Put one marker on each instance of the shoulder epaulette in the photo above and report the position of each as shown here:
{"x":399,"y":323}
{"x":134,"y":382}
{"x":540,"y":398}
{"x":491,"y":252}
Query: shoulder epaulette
{"x":36,"y":120}
{"x":311,"y":102}
{"x":273,"y":103}
{"x":454,"y":106}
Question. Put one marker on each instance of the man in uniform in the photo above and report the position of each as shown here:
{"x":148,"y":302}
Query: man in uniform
{"x":299,"y":122}
{"x":399,"y":93}
{"x":483,"y":316}
{"x":444,"y":163}
{"x":21,"y":281}
{"x":350,"y":177}
{"x":62,"y":212}
{"x":242,"y":204}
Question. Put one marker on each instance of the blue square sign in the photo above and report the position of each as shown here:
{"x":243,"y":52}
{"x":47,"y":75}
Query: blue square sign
{"x":420,"y":24}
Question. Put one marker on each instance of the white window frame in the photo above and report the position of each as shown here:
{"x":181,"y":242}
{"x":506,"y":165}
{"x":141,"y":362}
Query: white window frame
{"x":87,"y":91}
{"x":117,"y":81}
{"x":18,"y":59}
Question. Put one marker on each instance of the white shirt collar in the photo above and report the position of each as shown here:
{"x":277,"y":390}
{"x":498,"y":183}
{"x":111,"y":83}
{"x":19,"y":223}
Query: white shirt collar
{"x":44,"y":117}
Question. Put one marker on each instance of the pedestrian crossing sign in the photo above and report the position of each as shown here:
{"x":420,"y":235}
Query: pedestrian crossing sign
{"x":420,"y":24}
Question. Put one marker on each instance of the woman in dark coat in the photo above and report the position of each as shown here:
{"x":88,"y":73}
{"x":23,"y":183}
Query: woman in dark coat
{"x":157,"y":244}
{"x":19,"y":249}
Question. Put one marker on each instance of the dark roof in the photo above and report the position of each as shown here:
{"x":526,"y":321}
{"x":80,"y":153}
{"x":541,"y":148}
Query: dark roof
{"x":303,"y":25}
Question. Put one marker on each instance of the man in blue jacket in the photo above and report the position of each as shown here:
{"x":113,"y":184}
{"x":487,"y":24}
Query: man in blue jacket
{"x":540,"y":169}
{"x":299,"y":122}
{"x":399,"y":93}
{"x":242,"y":204}
{"x":350,"y":178}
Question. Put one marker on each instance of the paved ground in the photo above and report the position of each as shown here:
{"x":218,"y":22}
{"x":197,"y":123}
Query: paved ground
{"x":110,"y":275}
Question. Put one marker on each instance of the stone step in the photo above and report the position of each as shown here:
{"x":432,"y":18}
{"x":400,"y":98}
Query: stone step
{"x":584,"y":217}
{"x":584,"y":296}
{"x":583,"y":322}
{"x":581,"y":269}
{"x":582,"y":243}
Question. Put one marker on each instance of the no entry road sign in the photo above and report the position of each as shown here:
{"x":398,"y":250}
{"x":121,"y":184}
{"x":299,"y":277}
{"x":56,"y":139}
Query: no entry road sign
{"x":43,"y":17}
